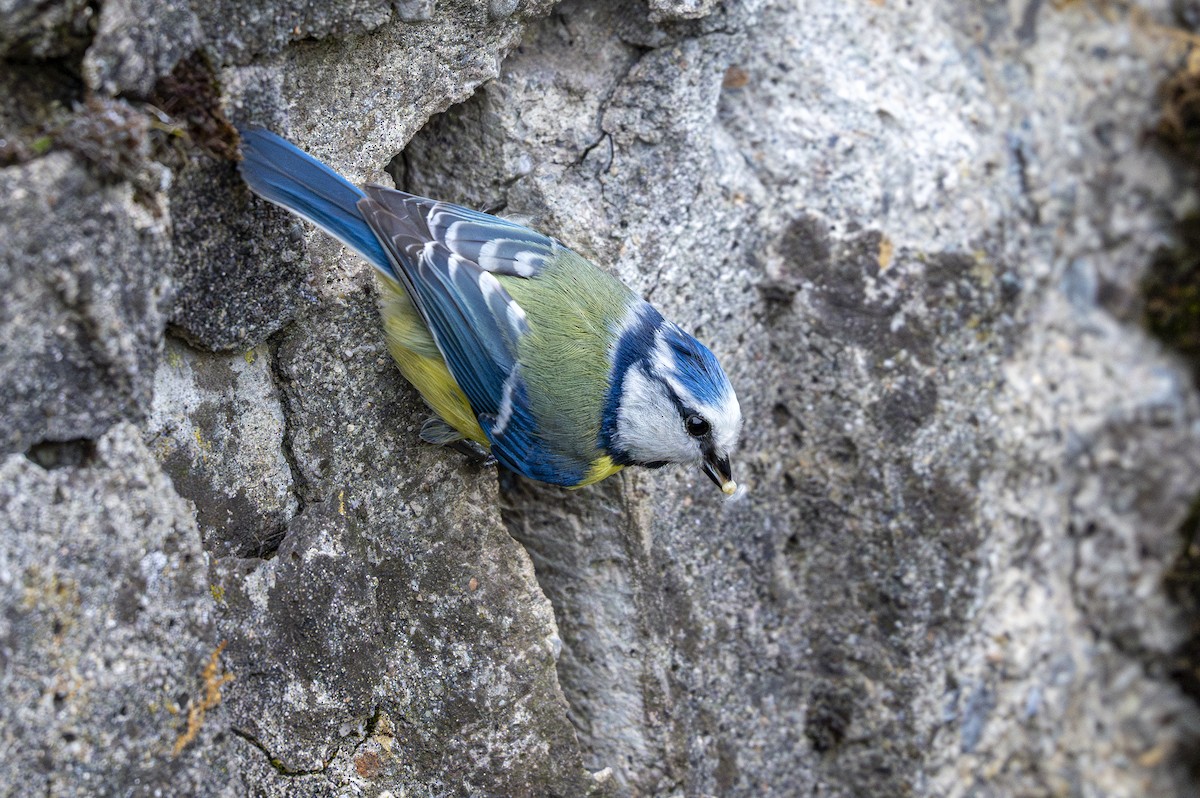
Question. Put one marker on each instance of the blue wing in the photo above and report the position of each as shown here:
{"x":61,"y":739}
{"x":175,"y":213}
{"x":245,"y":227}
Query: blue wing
{"x":447,"y":258}
{"x":281,"y":173}
{"x":494,"y":244}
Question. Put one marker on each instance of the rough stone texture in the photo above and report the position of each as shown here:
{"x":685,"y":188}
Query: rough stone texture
{"x":239,"y":274}
{"x":44,"y":30}
{"x":398,"y":636}
{"x":217,"y":426}
{"x":107,"y":628}
{"x":136,"y":42}
{"x":84,"y":270}
{"x":376,"y":91}
{"x":915,"y":235}
{"x":909,"y":590}
{"x":325,"y":92}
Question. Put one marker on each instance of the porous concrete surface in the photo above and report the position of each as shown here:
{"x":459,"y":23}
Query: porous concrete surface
{"x":913,"y":233}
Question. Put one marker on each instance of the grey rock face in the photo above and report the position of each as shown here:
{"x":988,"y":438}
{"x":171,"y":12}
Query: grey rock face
{"x":912,"y":235}
{"x":107,"y":629}
{"x":86,"y":271}
{"x":252,"y":251}
{"x":217,"y":427}
{"x":44,"y":30}
{"x":138,"y":41}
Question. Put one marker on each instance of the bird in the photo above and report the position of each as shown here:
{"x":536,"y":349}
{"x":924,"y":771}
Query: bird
{"x":527,"y":353}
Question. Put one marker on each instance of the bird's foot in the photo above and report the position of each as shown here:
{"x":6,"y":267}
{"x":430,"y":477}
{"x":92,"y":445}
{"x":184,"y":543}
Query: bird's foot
{"x":476,"y":455}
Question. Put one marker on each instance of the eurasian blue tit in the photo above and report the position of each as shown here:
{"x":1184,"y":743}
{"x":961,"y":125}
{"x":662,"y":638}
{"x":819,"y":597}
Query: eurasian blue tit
{"x":517,"y":343}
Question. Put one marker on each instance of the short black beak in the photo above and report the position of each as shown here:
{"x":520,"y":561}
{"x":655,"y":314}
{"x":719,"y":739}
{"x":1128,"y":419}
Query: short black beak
{"x":719,"y":471}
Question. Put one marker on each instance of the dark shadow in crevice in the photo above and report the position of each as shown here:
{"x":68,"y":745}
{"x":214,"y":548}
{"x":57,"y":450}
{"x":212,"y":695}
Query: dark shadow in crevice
{"x":75,"y":453}
{"x":1182,"y":584}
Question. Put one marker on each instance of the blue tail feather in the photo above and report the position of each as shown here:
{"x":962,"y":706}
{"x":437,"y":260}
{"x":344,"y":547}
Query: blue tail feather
{"x":281,"y":173}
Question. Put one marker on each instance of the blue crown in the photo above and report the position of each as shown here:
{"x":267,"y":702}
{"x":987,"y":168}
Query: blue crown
{"x":696,"y":367}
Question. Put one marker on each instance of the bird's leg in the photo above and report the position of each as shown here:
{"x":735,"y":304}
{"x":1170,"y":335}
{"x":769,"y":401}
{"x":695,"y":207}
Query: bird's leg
{"x":476,"y":455}
{"x":439,"y":433}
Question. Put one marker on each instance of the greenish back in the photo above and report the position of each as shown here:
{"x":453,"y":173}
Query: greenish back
{"x":573,"y":309}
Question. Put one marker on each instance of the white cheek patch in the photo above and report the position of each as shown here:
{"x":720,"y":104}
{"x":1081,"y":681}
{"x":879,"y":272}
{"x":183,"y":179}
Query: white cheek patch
{"x":648,"y":425}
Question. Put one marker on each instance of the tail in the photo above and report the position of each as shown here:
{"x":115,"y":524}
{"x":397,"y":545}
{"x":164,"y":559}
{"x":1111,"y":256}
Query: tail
{"x":279,"y":172}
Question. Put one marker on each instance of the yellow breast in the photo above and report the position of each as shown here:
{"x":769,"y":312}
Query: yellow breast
{"x":413,"y":349}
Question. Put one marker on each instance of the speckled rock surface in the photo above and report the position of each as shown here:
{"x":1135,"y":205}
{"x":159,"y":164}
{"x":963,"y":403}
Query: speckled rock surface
{"x":914,"y":235}
{"x":253,"y":251}
{"x":44,"y":30}
{"x":217,"y":426}
{"x":84,"y":311}
{"x":107,"y":629}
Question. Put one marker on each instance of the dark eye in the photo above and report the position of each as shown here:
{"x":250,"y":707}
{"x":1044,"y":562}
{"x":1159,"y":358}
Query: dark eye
{"x":697,"y":426}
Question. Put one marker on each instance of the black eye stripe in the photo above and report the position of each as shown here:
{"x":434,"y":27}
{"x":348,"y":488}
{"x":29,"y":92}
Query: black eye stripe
{"x":685,"y":412}
{"x":674,"y":397}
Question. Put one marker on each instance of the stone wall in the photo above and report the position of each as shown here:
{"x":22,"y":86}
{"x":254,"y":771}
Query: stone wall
{"x":915,"y":233}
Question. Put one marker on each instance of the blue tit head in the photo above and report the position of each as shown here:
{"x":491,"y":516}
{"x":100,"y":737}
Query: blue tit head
{"x":673,"y":402}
